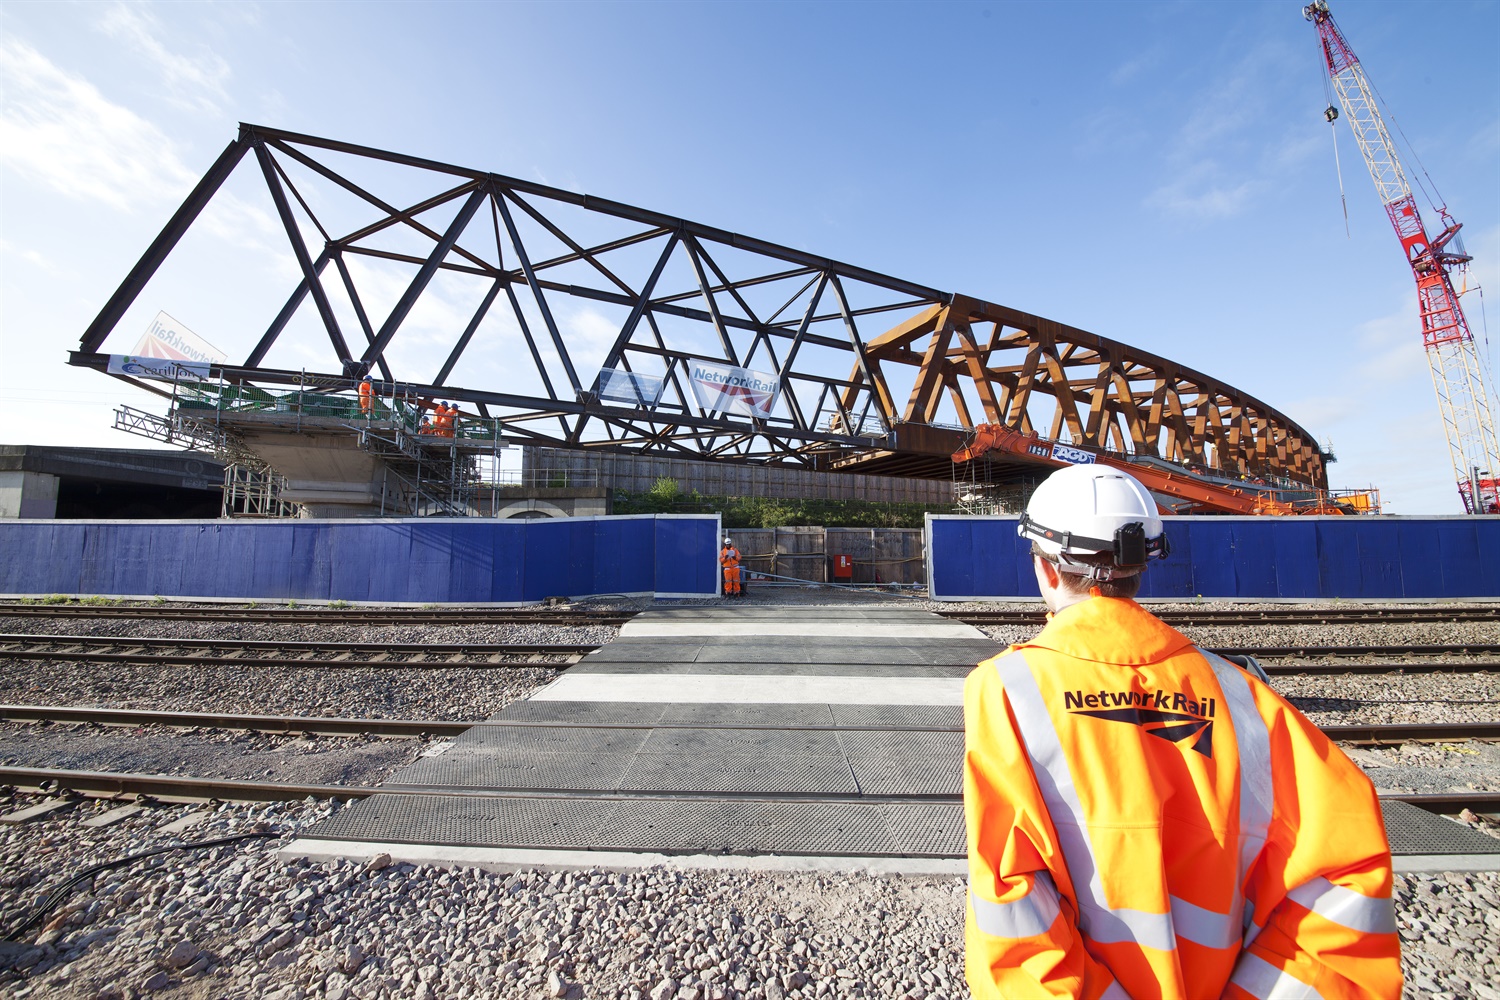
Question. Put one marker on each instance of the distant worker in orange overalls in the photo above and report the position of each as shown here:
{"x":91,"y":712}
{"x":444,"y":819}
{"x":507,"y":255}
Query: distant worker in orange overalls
{"x":1147,"y":818}
{"x":443,"y":419}
{"x":366,"y":396}
{"x":729,"y":558}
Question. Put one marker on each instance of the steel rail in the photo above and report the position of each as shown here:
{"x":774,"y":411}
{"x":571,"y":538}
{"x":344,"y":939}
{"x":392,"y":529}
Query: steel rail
{"x":299,"y":653}
{"x":1407,"y":667}
{"x":340,"y":616}
{"x":1436,"y":732}
{"x":283,"y":724}
{"x":1262,"y":616}
{"x":1289,"y":616}
{"x":1284,"y":652}
{"x":167,"y":786}
{"x":508,"y":616}
{"x":267,"y":653}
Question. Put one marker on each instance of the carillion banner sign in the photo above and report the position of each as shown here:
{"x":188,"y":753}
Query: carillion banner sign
{"x":729,"y":389}
{"x":162,"y":369}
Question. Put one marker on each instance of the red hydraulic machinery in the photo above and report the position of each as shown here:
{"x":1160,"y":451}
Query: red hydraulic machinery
{"x":1457,"y":367}
{"x":1197,"y":495}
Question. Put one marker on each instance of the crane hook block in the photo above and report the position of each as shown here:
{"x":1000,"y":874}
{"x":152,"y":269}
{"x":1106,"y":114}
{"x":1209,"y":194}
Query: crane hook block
{"x":1331,"y":114}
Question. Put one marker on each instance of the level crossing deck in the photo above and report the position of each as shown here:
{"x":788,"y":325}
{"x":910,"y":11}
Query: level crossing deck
{"x":724,"y":737}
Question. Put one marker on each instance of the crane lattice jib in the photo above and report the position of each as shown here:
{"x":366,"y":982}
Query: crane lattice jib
{"x":1457,"y":370}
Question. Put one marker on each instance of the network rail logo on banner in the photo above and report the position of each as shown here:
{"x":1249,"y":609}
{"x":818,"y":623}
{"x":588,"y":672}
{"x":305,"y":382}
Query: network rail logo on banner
{"x":729,"y":389}
{"x":629,"y":387}
{"x":168,"y":339}
{"x":163,"y":370}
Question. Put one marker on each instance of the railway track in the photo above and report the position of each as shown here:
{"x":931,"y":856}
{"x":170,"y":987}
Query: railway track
{"x":529,"y":616}
{"x":264,"y":653}
{"x":179,"y":787}
{"x":283,"y":615}
{"x":1288,"y":616}
{"x":276,"y":653}
{"x":1371,"y":733}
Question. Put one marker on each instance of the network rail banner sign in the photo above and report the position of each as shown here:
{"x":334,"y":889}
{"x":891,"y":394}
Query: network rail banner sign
{"x":168,"y":339}
{"x":729,"y":389}
{"x":157,"y":368}
{"x":629,"y":387}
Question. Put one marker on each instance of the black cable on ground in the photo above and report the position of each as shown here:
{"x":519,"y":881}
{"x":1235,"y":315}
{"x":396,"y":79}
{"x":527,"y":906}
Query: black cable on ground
{"x":62,"y":891}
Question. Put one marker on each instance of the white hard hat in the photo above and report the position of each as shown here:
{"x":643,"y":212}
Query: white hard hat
{"x":1091,"y":509}
{"x":727,"y":541}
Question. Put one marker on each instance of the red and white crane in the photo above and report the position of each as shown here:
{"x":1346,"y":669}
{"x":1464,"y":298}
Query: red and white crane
{"x":1457,"y":368}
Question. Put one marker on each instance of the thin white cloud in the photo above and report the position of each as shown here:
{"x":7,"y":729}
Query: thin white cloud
{"x":1217,"y":163}
{"x":1200,"y":194}
{"x":58,"y":131}
{"x":1131,"y":68}
{"x":192,"y":82}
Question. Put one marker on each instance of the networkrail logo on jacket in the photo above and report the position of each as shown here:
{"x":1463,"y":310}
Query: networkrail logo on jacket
{"x":1169,"y":715}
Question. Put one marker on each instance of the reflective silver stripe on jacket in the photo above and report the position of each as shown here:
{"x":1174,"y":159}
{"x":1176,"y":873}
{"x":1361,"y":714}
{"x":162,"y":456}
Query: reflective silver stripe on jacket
{"x":1263,"y":980}
{"x":1257,"y":800}
{"x":1098,"y":920}
{"x":1025,"y":917}
{"x":1346,"y":907}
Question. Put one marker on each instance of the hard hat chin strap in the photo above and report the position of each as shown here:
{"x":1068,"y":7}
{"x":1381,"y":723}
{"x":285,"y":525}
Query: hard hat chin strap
{"x":1095,"y":572}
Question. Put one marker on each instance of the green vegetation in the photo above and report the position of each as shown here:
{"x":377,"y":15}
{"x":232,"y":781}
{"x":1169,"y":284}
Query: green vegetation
{"x":158,"y":600}
{"x":56,"y":599}
{"x":97,"y":601}
{"x":666,"y":497}
{"x":340,"y":605}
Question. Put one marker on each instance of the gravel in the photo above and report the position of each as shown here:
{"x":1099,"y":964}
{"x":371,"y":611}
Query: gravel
{"x":448,"y":693}
{"x":209,"y":753}
{"x":237,"y":921}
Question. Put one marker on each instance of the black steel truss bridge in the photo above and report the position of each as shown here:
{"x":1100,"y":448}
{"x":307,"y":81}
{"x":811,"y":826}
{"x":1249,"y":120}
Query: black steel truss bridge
{"x":875,"y":373}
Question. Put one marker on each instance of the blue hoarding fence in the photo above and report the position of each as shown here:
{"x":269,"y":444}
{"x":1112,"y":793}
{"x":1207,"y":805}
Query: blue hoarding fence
{"x":425,"y":560}
{"x":1356,"y":558}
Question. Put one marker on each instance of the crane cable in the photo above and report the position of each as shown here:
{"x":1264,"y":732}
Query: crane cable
{"x":1332,"y":115}
{"x":1333,"y":133}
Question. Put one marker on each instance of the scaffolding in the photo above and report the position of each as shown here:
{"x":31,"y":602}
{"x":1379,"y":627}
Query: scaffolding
{"x":449,"y":467}
{"x":975,"y":494}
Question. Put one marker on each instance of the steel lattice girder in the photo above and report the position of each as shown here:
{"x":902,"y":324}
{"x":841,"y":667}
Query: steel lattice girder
{"x":686,"y":293}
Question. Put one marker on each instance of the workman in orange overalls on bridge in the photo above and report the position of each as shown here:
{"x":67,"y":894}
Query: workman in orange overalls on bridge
{"x":729,"y":558}
{"x":366,"y":396}
{"x":1146,"y":818}
{"x":444,"y":418}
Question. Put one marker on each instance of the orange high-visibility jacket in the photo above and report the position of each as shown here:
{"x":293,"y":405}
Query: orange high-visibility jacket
{"x":729,"y":557}
{"x":1147,"y":820}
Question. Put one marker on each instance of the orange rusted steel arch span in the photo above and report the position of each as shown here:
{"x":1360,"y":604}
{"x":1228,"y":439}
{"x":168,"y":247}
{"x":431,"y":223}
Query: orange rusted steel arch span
{"x":998,"y":365}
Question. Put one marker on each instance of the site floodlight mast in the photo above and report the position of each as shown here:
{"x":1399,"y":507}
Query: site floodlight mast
{"x":1457,"y":368}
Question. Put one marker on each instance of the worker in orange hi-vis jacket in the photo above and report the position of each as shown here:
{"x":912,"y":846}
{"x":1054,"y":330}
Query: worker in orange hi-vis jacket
{"x":366,"y":396}
{"x":729,"y":558}
{"x":1146,"y":818}
{"x":442,"y":419}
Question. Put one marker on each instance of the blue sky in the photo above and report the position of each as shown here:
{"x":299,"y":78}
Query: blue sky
{"x":1157,"y":173}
